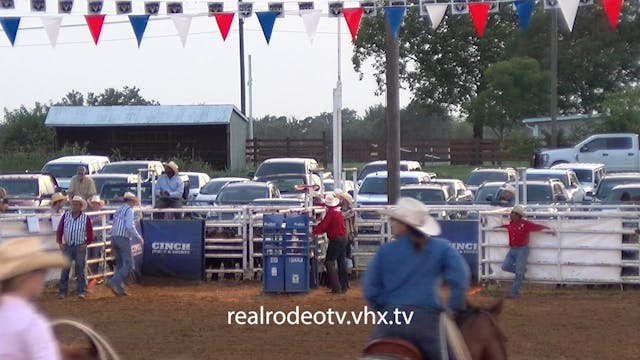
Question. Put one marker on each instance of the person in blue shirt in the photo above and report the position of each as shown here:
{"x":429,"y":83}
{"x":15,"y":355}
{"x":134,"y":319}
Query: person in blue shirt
{"x":170,"y":188}
{"x":403,"y":278}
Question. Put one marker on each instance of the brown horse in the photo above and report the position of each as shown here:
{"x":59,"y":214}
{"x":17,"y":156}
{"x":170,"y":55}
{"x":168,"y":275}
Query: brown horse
{"x":479,"y":327}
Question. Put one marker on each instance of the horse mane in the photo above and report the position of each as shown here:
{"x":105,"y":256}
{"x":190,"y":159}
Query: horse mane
{"x":490,"y":312}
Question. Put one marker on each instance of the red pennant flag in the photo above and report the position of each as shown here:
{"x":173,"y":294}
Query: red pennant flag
{"x":353,"y":16}
{"x":95,"y":23}
{"x":612,"y":9}
{"x":224,"y":20}
{"x":479,"y":12}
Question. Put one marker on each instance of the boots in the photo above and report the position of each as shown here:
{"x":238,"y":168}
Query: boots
{"x":332,"y":275}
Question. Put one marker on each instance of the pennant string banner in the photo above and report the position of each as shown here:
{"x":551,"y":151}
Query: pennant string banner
{"x":139,"y":25}
{"x":569,"y":9}
{"x":524,"y":8}
{"x":353,"y":16}
{"x":95,"y":23}
{"x":267,"y":20}
{"x":436,"y":13}
{"x":10,"y":26}
{"x":51,"y":26}
{"x":479,"y":13}
{"x":612,"y":9}
{"x":311,"y":19}
{"x":182,"y":22}
{"x":224,"y":20}
{"x":394,"y":16}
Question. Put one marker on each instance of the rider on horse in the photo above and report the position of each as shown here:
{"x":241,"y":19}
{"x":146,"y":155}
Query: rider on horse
{"x":404,"y":275}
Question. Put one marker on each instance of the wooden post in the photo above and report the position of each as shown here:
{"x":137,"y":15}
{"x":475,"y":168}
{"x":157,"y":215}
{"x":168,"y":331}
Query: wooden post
{"x":255,"y":151}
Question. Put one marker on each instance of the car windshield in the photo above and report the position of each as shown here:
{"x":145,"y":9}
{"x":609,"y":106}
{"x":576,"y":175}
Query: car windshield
{"x":213,"y":186}
{"x":548,"y":176}
{"x":123,"y":168}
{"x":101,"y":181}
{"x":241,"y":195}
{"x":369,"y":169}
{"x":328,"y":186}
{"x":626,"y":194}
{"x":276,"y":168}
{"x":478,"y":177}
{"x":62,"y":170}
{"x":484,"y":192}
{"x":112,"y":193}
{"x":194,"y":181}
{"x":605,"y":186}
{"x":584,"y":176}
{"x":424,"y":195}
{"x":286,"y":185}
{"x":20,"y":187}
{"x":378,"y":186}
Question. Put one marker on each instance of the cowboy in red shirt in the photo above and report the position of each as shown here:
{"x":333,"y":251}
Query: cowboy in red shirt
{"x":516,"y":259}
{"x":333,"y":226}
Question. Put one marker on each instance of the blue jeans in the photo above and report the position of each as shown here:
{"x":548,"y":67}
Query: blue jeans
{"x":516,"y":262}
{"x":121,"y":250}
{"x":78,"y":255}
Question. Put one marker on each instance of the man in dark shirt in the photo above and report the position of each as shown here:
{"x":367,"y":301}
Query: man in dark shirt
{"x":333,"y":226}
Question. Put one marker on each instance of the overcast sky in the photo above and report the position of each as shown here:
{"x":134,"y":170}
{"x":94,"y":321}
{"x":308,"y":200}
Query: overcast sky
{"x":292,"y":77}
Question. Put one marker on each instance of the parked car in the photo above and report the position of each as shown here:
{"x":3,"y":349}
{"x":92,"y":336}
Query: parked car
{"x":102,"y":179}
{"x":112,"y":193}
{"x":480,"y":175}
{"x":538,"y":192}
{"x":378,"y":166}
{"x":431,"y":194}
{"x":66,"y":167}
{"x":589,"y":175}
{"x":347,"y":185}
{"x":196,"y":181}
{"x":487,"y":191}
{"x":618,"y":152}
{"x":286,"y":183}
{"x":29,"y":189}
{"x":278,"y":166}
{"x":457,"y":188}
{"x":133,"y":167}
{"x":610,"y":181}
{"x":624,"y":193}
{"x":243,"y":193}
{"x":575,"y":191}
{"x":209,"y":191}
{"x":373,"y":190}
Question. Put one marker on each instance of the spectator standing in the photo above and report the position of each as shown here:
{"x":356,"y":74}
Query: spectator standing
{"x":81,"y":184}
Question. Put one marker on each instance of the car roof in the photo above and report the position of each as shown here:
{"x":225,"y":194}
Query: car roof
{"x":438,"y":180}
{"x":548,"y":171}
{"x":282,"y":200}
{"x":229,"y":179}
{"x":384,"y":162}
{"x":627,"y":186}
{"x":492,"y":169}
{"x":492,"y":183}
{"x":134,"y":162}
{"x":290,"y":160}
{"x":621,"y":175}
{"x":424,"y":186}
{"x":383,"y":174}
{"x":122,"y":176}
{"x":276,"y":176}
{"x":584,"y":166}
{"x":77,"y":159}
{"x":193,"y":173}
{"x":30,"y":175}
{"x":538,"y":182}
{"x":247,"y":184}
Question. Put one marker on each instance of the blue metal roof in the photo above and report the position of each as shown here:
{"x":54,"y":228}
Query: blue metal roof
{"x":136,"y":115}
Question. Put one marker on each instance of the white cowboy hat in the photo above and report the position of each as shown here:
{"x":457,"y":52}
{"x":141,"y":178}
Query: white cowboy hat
{"x":57,"y":197}
{"x":79,"y":199}
{"x":130,"y":196}
{"x":518,"y":209}
{"x":413,"y":213}
{"x":344,"y":196}
{"x":172,"y":165}
{"x":331,"y":201}
{"x":509,"y":187}
{"x":96,"y":199}
{"x":22,"y":255}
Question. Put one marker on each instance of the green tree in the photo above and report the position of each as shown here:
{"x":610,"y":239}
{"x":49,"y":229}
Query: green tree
{"x":23,"y":129}
{"x":622,"y":111}
{"x":515,"y":89}
{"x":125,"y":96}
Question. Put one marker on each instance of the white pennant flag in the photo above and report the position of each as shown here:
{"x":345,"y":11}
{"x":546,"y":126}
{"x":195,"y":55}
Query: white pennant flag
{"x":436,"y":13}
{"x":51,"y":25}
{"x":311,"y":19}
{"x":182,"y":23}
{"x":569,"y":10}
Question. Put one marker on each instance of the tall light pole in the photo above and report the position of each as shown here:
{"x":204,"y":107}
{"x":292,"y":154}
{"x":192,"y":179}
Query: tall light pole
{"x":553,"y":59}
{"x":392,"y":74}
{"x":242,"y":78}
{"x":337,"y":118}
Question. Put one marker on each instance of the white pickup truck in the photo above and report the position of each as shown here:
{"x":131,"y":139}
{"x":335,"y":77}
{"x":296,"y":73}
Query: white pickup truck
{"x":618,"y":152}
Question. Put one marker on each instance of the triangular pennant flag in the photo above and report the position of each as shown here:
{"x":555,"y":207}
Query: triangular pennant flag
{"x":479,"y":12}
{"x":139,"y":25}
{"x":182,"y":22}
{"x":436,"y":13}
{"x":569,"y":10}
{"x":524,"y":8}
{"x":95,"y":23}
{"x":394,"y":15}
{"x":267,"y":20}
{"x":224,"y":20}
{"x":311,"y":19}
{"x":10,"y":26}
{"x":51,"y":25}
{"x":353,"y":16}
{"x":612,"y":9}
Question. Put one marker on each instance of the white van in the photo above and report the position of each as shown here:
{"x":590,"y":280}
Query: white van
{"x":65,"y":167}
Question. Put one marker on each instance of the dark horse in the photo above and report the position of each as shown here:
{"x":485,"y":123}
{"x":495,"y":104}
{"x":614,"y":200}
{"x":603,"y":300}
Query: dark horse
{"x":479,"y":327}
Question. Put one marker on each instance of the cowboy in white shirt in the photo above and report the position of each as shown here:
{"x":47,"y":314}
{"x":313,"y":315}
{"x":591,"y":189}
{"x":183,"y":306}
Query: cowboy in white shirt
{"x":169,"y":188}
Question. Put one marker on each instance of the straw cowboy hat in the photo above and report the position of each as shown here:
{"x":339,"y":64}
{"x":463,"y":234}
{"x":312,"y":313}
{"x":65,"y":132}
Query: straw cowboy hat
{"x":344,"y":196}
{"x":79,"y":199}
{"x":58,"y":197}
{"x":22,"y":255}
{"x":96,"y":199}
{"x":130,"y":196}
{"x":171,"y":165}
{"x":413,"y":213}
{"x":331,"y":201}
{"x":518,"y":209}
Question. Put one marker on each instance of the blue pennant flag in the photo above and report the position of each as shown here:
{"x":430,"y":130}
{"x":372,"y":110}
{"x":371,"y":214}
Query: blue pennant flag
{"x":267,"y":20}
{"x":10,"y":27}
{"x":394,"y":16}
{"x":524,"y":8}
{"x":139,"y":25}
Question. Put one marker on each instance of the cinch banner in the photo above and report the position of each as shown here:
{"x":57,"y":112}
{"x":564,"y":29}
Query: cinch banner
{"x":173,"y":248}
{"x":463,"y":235}
{"x":137,"y":252}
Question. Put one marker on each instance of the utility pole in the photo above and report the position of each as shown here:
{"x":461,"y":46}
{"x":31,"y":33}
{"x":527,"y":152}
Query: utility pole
{"x":392,"y":74}
{"x":250,"y":84}
{"x":337,"y":118}
{"x":243,"y":99}
{"x":554,"y":78}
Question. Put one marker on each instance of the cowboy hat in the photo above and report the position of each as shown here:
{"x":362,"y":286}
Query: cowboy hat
{"x":96,"y":199}
{"x":58,"y":197}
{"x":510,"y":188}
{"x":130,"y":196}
{"x":344,"y":196}
{"x":331,"y":201}
{"x":79,"y":199}
{"x":518,"y":209}
{"x":413,"y":213}
{"x":171,"y":165}
{"x":22,"y":255}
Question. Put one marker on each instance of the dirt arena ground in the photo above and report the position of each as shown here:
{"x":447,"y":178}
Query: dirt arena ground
{"x":181,"y":320}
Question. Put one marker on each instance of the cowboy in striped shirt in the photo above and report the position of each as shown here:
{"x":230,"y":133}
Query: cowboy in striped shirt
{"x":75,"y":232}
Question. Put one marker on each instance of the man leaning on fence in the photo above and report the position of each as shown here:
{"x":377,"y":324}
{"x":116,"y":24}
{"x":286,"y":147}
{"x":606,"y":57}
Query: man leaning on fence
{"x":75,"y":232}
{"x":81,"y":184}
{"x":123,"y":230}
{"x":169,"y":188}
